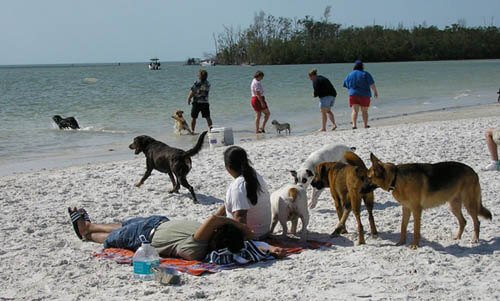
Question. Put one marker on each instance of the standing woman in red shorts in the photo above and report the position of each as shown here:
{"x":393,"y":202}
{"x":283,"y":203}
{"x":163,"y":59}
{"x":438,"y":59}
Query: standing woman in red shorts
{"x":359,"y":83}
{"x":259,"y":102}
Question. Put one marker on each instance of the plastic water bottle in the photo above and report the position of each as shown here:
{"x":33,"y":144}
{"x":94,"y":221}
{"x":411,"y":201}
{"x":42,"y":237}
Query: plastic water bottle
{"x":145,"y":259}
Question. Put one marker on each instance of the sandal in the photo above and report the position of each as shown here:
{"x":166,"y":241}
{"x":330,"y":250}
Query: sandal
{"x":354,"y":127}
{"x":75,"y":216}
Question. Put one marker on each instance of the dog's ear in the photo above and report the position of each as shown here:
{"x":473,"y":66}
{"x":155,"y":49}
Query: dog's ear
{"x":323,"y":172}
{"x":309,"y":173}
{"x":294,"y":175}
{"x":374,"y":159}
{"x":378,"y":169}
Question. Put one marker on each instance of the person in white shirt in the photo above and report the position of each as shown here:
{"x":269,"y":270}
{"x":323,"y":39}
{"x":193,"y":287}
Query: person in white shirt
{"x":259,"y":104}
{"x":247,"y":199}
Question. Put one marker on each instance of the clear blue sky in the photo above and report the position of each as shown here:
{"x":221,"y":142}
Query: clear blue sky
{"x":99,"y":31}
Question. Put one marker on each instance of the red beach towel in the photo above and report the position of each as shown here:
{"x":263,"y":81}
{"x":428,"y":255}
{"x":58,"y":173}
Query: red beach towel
{"x":198,"y":268}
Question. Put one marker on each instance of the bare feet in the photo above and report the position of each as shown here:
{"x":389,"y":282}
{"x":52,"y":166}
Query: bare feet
{"x":334,"y":127}
{"x":321,"y":130}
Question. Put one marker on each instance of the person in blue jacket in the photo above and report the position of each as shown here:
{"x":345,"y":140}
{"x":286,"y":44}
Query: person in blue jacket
{"x":359,"y":83}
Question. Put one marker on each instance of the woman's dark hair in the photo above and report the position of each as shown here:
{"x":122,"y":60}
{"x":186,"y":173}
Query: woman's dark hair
{"x":358,"y":65}
{"x":313,"y":72}
{"x":237,"y":160}
{"x":258,"y":73}
{"x":203,"y":75}
{"x":228,"y":236}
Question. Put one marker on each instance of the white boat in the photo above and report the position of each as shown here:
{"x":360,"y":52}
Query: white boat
{"x":207,"y":63}
{"x":155,"y":64}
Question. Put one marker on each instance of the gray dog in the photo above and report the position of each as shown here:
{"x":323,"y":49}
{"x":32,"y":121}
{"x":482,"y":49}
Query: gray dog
{"x":281,"y":127}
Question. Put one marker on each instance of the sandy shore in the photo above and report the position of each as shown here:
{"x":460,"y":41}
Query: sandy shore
{"x":43,"y":259}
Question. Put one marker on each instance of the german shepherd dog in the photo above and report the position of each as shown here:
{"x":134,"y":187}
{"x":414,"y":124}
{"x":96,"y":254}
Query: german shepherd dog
{"x":167,"y":159}
{"x":345,"y":182}
{"x":420,"y":186}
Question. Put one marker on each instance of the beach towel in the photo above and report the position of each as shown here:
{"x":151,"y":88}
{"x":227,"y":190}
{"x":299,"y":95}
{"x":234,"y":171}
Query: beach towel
{"x":197,"y":268}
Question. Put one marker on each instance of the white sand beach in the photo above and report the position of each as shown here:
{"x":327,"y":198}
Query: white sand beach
{"x":42,"y":259}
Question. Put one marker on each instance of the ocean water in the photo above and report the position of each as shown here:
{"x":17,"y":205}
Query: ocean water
{"x":114,"y":103}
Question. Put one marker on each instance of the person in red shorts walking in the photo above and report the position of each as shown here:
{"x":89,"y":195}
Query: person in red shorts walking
{"x":259,"y":104}
{"x":359,"y":83}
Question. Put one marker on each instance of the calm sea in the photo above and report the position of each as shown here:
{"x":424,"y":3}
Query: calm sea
{"x":114,"y":103}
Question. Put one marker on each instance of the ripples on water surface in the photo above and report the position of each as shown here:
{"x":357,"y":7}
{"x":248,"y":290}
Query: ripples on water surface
{"x":115,"y":103}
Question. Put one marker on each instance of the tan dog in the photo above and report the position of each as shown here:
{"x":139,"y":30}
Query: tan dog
{"x":420,"y":186}
{"x":289,"y":203}
{"x":180,"y":123}
{"x":345,"y":182}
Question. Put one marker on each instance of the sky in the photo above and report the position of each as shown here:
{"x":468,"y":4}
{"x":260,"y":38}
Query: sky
{"x":109,"y":31}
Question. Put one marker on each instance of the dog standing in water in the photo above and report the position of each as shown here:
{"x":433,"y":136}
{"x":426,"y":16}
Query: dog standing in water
{"x":281,"y":127}
{"x":180,"y":123}
{"x":66,"y":123}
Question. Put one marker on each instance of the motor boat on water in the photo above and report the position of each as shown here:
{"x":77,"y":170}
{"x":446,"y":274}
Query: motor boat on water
{"x":155,"y":64}
{"x":207,"y":63}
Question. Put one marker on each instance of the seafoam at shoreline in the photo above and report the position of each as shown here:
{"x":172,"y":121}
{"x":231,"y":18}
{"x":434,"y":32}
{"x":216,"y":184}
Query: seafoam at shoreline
{"x":120,"y":151}
{"x":43,"y":258}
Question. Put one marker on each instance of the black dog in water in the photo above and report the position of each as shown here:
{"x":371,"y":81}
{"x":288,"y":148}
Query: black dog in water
{"x":167,"y":159}
{"x":65,"y":123}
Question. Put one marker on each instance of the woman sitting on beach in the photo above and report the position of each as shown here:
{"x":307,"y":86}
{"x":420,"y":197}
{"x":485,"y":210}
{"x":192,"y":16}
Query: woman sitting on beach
{"x":247,"y":199}
{"x":186,"y":239}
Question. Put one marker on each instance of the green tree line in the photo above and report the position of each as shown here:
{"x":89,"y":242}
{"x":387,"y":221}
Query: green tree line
{"x":279,"y":40}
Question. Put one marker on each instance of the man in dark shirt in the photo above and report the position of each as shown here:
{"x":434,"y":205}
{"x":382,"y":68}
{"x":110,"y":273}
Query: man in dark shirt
{"x":199,"y":91}
{"x":324,"y":89}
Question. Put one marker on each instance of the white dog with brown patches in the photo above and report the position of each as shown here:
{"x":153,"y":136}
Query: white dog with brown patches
{"x":289,"y":203}
{"x":305,"y":174}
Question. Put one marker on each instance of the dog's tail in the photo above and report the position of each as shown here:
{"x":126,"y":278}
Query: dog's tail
{"x":353,"y":159}
{"x":292,"y":193}
{"x":485,"y":212}
{"x":198,"y":145}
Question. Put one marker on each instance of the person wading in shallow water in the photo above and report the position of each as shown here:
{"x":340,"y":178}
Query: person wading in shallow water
{"x":359,"y":83}
{"x":324,"y":89}
{"x":259,"y":104}
{"x":199,"y":91}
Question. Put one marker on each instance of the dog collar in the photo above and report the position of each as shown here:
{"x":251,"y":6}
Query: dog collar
{"x":393,"y":184}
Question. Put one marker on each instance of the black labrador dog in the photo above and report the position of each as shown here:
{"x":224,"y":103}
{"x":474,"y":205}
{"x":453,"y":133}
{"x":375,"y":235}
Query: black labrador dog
{"x":166,"y":159}
{"x":65,"y":123}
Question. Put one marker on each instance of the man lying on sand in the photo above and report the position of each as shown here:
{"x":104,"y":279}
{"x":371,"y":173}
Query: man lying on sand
{"x":189,"y":240}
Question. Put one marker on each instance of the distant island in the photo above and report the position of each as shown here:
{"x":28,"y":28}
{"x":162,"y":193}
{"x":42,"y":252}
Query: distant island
{"x":277,"y":40}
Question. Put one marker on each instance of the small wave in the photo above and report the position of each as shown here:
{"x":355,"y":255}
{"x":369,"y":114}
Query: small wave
{"x":427,"y":103}
{"x":102,"y":130}
{"x":90,"y":80}
{"x":462,"y":94}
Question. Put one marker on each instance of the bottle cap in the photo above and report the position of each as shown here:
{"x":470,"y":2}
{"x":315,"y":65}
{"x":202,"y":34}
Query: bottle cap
{"x":143,"y":239}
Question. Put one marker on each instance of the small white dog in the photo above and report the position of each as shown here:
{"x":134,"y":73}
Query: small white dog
{"x":289,"y":203}
{"x":305,"y":174}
